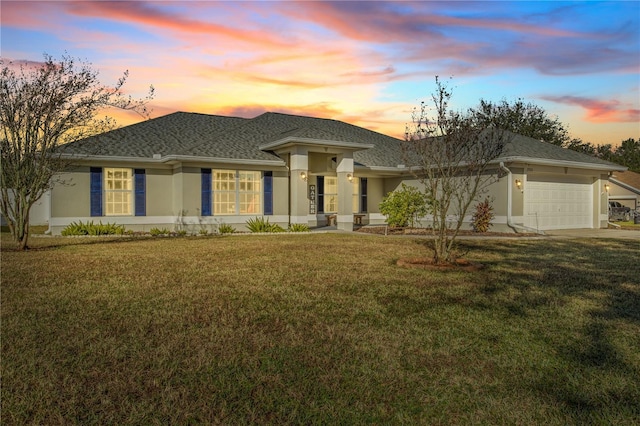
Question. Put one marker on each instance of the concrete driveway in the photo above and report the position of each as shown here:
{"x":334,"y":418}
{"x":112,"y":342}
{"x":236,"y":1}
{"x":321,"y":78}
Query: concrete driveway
{"x":595,"y":233}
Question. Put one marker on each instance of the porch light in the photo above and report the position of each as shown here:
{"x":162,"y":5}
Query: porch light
{"x":606,"y":188}
{"x":303,"y":176}
{"x":519,"y":184}
{"x":350,"y":177}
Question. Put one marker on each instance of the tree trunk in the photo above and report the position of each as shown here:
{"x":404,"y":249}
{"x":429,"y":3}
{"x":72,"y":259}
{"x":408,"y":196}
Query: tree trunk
{"x":21,"y":227}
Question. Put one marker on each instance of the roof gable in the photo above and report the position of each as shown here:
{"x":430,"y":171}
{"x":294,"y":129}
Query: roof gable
{"x":628,"y":179}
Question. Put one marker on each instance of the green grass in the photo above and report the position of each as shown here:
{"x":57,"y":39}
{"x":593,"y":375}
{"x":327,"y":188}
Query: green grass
{"x":628,"y":225}
{"x":318,"y":329}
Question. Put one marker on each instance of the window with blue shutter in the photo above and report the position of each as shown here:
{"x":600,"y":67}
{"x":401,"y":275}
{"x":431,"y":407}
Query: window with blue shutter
{"x":320,"y":182}
{"x":139,"y":187}
{"x":96,"y":191}
{"x":268,"y":193}
{"x":363,"y":195}
{"x":206,"y":192}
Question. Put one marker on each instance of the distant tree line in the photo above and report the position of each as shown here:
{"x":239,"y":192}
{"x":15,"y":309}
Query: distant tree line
{"x":626,"y":154}
{"x":528,"y":119}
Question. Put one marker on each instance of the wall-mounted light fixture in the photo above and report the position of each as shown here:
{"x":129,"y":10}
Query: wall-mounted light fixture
{"x":606,"y":187}
{"x":519,"y":184}
{"x":303,"y":176}
{"x":350,"y":177}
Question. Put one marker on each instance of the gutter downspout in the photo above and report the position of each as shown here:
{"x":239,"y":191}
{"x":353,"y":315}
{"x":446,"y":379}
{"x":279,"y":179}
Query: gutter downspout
{"x":49,"y":230}
{"x":510,"y":223}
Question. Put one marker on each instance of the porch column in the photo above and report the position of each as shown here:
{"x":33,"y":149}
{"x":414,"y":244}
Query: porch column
{"x":345,"y":192}
{"x":299,"y":163}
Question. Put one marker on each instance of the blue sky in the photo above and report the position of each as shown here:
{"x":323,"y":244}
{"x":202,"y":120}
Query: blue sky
{"x":368,"y":63}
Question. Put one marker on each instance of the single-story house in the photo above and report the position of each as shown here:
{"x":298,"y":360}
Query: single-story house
{"x":191,"y":171}
{"x":625,"y":188}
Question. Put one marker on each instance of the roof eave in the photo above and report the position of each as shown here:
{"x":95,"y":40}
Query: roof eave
{"x":175,"y":158}
{"x":561,"y":163}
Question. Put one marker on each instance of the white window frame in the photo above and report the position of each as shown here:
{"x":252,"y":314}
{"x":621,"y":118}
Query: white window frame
{"x":237,"y":192}
{"x":330,"y":194}
{"x":118,"y":191}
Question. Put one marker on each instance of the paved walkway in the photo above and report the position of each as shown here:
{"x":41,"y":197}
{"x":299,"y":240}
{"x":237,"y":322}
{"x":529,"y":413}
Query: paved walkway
{"x":626,"y":234}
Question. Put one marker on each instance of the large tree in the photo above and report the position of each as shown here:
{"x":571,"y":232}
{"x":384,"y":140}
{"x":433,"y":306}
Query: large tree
{"x":42,"y":107}
{"x":452,"y":154}
{"x":626,"y":154}
{"x":523,"y":118}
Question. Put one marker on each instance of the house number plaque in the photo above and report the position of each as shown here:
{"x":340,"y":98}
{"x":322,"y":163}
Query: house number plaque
{"x":312,"y":199}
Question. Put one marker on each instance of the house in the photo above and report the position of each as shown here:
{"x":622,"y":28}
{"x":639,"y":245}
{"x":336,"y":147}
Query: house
{"x":625,"y":188}
{"x":191,"y":171}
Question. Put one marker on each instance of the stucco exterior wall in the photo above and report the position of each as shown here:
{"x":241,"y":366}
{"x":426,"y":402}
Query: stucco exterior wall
{"x":159,"y":192}
{"x":70,"y":196}
{"x":280,"y":193}
{"x":375,"y":194}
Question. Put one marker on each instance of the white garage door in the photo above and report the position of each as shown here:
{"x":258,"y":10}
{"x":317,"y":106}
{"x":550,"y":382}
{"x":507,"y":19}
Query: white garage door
{"x":559,"y":203}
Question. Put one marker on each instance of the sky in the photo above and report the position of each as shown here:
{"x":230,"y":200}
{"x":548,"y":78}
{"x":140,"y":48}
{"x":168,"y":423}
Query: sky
{"x":368,"y":63}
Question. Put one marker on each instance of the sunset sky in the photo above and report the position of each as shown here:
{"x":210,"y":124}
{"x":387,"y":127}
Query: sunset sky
{"x":364,"y":62}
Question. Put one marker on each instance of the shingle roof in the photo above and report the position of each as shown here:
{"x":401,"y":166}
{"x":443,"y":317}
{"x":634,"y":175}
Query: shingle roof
{"x":523,"y":147}
{"x":212,"y":136}
{"x":234,"y":138}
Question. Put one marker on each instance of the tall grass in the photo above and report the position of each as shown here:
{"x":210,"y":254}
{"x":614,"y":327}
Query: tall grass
{"x":318,"y":329}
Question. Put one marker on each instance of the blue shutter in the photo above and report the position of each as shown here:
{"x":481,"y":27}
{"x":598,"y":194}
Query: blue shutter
{"x":96,"y":191}
{"x":320,"y":181}
{"x":206,"y":192}
{"x":139,"y":186}
{"x":363,"y":195}
{"x":268,"y":193}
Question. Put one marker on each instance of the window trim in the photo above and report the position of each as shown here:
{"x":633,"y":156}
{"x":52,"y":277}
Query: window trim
{"x":209,"y":195}
{"x":326,"y":194}
{"x":128,"y":192}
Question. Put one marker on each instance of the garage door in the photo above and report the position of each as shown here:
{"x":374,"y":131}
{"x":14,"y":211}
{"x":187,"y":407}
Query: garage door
{"x":560,"y":203}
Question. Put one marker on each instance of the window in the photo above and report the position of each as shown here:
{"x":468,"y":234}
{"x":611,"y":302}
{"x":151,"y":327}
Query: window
{"x":118,"y":192}
{"x":330,"y":194}
{"x":249,"y":192}
{"x":237,"y":193}
{"x":224,"y":192}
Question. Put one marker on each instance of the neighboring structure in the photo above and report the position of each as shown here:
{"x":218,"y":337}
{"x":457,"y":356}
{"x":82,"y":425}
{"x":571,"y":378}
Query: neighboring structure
{"x":625,"y":188}
{"x":188,"y":171}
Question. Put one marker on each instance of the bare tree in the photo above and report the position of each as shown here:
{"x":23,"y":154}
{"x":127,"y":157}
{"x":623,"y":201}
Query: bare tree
{"x":42,"y":107}
{"x":452,"y":156}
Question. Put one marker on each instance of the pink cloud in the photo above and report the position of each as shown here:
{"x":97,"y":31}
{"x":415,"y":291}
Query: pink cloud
{"x":26,"y":14}
{"x":148,"y":15}
{"x":374,"y":119}
{"x":599,"y":111}
{"x":384,"y":22}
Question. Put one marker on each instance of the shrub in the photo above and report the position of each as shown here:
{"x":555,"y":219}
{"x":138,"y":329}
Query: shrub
{"x":298,"y":227}
{"x":203,"y":231}
{"x":404,"y":206}
{"x":259,"y":224}
{"x":90,"y":228}
{"x":225,"y":228}
{"x":482,"y":217}
{"x":157,"y":231}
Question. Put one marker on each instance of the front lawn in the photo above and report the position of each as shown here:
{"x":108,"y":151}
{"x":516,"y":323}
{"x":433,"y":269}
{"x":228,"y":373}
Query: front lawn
{"x":318,"y":329}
